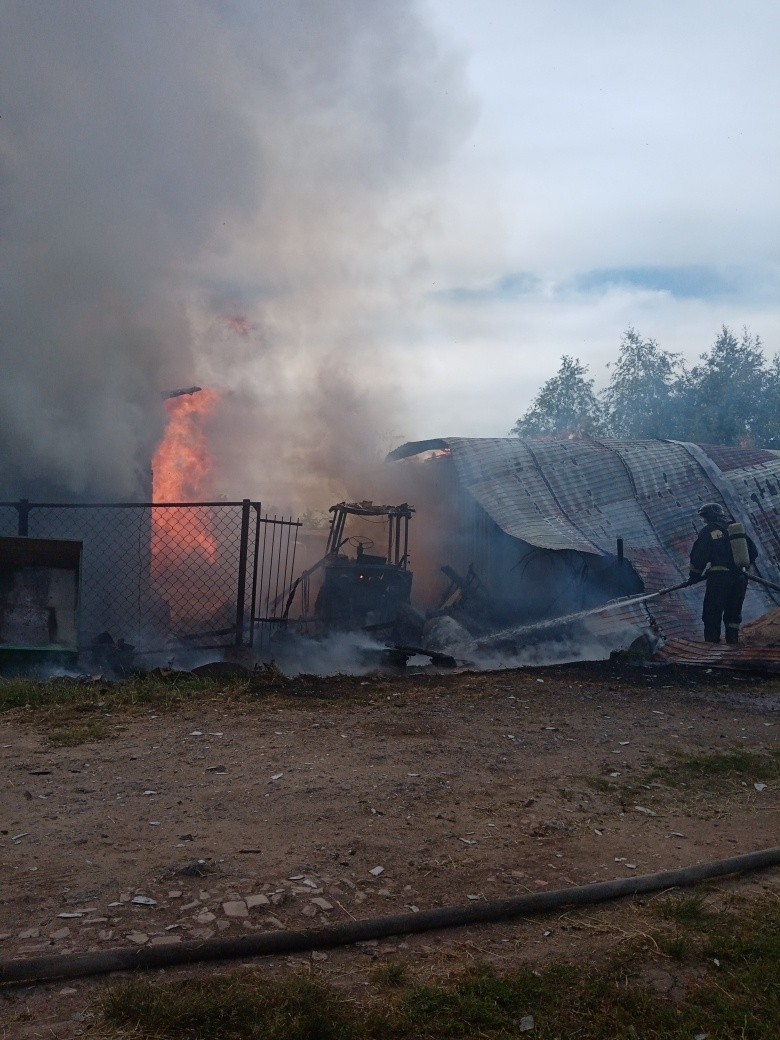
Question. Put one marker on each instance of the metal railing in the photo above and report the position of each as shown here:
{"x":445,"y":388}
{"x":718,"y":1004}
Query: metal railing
{"x":173,"y":573}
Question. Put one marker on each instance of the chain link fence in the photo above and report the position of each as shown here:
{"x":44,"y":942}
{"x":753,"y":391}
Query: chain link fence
{"x":203,"y":574}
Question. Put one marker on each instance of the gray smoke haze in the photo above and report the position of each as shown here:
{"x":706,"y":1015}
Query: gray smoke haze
{"x":225,"y":193}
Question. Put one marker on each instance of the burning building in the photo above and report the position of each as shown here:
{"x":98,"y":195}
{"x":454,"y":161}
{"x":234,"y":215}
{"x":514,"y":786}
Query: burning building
{"x":536,"y":529}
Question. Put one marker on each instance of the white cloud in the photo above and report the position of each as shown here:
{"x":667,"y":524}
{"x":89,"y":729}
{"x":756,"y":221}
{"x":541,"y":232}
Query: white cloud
{"x":611,"y":135}
{"x":622,"y":133}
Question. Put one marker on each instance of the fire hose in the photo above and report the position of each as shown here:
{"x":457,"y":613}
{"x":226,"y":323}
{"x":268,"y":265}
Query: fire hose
{"x":764,"y":581}
{"x":685,"y":584}
{"x":665,"y":592}
{"x":267,"y":943}
{"x":751,"y":577}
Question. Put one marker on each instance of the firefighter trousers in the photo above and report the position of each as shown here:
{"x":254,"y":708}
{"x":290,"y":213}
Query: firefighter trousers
{"x":723,"y":604}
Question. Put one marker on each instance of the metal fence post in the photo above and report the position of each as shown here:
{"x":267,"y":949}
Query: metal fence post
{"x":242,"y":561}
{"x":23,"y":509}
{"x":255,"y":558}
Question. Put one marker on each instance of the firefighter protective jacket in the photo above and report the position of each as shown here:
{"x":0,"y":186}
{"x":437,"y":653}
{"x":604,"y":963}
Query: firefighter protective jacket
{"x":714,"y":548}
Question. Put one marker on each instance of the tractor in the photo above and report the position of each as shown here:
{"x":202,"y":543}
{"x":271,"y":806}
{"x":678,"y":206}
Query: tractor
{"x":362,"y":589}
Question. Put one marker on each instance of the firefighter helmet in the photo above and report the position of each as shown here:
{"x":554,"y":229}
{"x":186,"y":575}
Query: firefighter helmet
{"x":714,"y":513}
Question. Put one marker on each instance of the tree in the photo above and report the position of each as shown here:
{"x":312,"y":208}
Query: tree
{"x":639,"y":401}
{"x":722,"y":400}
{"x":731,"y":397}
{"x":565,"y":404}
{"x":767,"y":424}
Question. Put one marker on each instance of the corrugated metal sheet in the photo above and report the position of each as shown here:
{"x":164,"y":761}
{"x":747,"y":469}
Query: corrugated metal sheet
{"x":758,"y":490}
{"x":508,"y":482}
{"x":727,"y":458}
{"x":751,"y":658}
{"x":552,"y":494}
{"x":582,"y":495}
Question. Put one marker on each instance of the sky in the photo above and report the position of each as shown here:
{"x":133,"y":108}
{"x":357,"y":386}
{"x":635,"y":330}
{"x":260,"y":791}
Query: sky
{"x":622,"y":170}
{"x":362,"y":221}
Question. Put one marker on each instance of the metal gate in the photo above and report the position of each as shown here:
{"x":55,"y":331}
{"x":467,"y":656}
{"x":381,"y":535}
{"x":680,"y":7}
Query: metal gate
{"x":200,"y":574}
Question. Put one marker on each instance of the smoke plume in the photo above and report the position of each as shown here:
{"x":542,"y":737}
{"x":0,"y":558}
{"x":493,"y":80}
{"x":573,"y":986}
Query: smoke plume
{"x":218,"y":192}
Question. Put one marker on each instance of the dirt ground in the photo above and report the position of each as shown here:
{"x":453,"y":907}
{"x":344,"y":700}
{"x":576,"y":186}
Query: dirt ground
{"x":339,"y":799}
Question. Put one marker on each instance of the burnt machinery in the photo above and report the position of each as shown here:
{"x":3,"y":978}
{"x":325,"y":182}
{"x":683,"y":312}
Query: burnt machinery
{"x":360,"y":589}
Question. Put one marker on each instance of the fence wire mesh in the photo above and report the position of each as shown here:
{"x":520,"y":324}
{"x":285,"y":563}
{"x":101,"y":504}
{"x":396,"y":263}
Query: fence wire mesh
{"x":9,"y":520}
{"x":165,"y":573}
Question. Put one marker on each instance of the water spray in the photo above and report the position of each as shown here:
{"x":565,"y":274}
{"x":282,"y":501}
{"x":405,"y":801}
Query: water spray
{"x":613,"y":604}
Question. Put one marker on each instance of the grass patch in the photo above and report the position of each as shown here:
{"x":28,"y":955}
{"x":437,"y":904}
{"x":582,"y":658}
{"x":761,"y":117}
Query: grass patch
{"x":73,"y":711}
{"x":231,"y":1008}
{"x":686,"y":909}
{"x":689,"y":915}
{"x":676,"y":947}
{"x":85,"y":695}
{"x":726,"y":973}
{"x":392,"y":973}
{"x":719,"y":767}
{"x":62,"y":734}
{"x":69,"y":712}
{"x":709,"y":775}
{"x":603,"y":785}
{"x":168,"y":690}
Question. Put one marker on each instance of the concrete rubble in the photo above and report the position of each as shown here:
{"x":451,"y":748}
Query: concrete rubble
{"x":172,"y":916}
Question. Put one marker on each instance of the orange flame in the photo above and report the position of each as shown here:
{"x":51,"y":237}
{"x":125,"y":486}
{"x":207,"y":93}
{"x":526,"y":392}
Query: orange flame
{"x":181,"y":467}
{"x":183,"y":461}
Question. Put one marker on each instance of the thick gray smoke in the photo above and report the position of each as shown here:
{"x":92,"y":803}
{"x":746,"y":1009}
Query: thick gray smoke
{"x":222,"y":193}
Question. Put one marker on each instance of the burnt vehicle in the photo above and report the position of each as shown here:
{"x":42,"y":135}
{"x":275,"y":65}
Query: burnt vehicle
{"x":360,"y":589}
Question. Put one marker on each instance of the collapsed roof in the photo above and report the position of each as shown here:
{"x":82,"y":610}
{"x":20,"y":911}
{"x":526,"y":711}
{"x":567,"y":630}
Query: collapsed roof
{"x":583,"y":494}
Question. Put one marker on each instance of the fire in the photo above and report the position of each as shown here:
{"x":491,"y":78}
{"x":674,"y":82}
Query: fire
{"x":183,"y":541}
{"x":183,"y":461}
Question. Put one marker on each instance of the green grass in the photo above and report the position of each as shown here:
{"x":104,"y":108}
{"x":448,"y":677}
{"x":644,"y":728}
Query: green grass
{"x":161,"y":691}
{"x":726,"y":973}
{"x":390,"y":974}
{"x":689,"y":916}
{"x":63,"y":734}
{"x":232,"y":1008}
{"x":603,"y":785}
{"x":37,"y":696}
{"x":719,"y":767}
{"x":74,"y":711}
{"x":676,"y":947}
{"x":69,"y":712}
{"x":707,"y":776}
{"x":686,"y":909}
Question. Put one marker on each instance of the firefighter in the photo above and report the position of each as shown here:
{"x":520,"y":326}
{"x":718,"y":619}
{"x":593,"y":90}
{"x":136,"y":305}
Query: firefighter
{"x":713,"y":558}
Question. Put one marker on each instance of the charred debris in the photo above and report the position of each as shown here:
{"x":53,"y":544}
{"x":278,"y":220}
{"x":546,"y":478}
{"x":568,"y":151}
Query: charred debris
{"x":364,"y":584}
{"x":516,"y":552}
{"x":544,"y":551}
{"x":354,"y":588}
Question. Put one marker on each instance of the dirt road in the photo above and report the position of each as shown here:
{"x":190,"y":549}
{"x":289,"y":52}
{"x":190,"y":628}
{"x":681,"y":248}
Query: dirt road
{"x":327,"y":800}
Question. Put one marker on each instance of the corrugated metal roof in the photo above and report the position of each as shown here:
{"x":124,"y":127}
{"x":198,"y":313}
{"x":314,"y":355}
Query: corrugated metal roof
{"x":552,"y":494}
{"x":726,"y":457}
{"x":583,"y":494}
